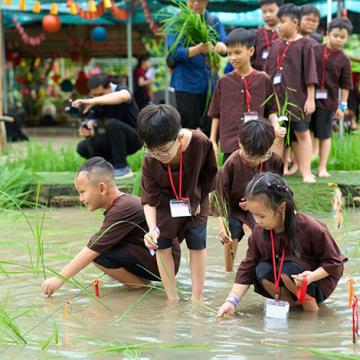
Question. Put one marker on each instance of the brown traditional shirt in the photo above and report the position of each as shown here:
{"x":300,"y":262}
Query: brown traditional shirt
{"x":199,"y":173}
{"x":334,"y":72}
{"x":318,"y":248}
{"x":234,"y":177}
{"x":264,"y":39}
{"x":127,"y":210}
{"x":229,"y":104}
{"x":297,"y":69}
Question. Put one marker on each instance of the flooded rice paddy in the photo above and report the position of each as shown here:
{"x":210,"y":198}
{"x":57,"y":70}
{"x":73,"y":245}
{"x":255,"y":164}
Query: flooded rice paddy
{"x":141,"y":323}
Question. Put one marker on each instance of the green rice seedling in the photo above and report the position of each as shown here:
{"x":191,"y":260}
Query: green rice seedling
{"x":284,"y":110}
{"x":54,"y":336}
{"x":218,"y":203}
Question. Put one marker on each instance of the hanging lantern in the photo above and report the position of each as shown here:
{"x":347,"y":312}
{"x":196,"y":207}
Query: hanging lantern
{"x":51,"y":23}
{"x":36,"y":7}
{"x":53,"y":9}
{"x":107,"y":4}
{"x":7,"y":2}
{"x":22,"y":5}
{"x":99,"y":34}
{"x":92,"y":6}
{"x":73,"y":9}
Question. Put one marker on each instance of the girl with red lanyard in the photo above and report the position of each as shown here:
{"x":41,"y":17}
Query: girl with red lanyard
{"x":289,"y":254}
{"x":254,"y":156}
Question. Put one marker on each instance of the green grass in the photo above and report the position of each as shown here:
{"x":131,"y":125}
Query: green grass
{"x":345,"y":153}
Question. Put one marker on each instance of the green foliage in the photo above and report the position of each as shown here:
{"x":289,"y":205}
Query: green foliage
{"x":40,"y":157}
{"x":345,"y":153}
{"x":135,"y":160}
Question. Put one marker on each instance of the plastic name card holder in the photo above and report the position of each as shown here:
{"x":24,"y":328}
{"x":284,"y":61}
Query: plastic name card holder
{"x":265,"y":54}
{"x":276,"y":309}
{"x":321,"y":94}
{"x":251,"y":115}
{"x":277,"y":78}
{"x":180,"y":208}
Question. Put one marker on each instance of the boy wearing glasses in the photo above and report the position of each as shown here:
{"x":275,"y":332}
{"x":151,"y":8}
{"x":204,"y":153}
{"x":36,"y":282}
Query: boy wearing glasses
{"x":255,"y":139}
{"x":177,"y":176}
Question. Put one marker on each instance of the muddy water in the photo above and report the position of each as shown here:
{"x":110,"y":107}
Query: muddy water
{"x":153,"y":321}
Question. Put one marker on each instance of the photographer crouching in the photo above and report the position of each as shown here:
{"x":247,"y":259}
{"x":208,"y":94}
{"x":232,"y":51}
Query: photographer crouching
{"x":114,"y":107}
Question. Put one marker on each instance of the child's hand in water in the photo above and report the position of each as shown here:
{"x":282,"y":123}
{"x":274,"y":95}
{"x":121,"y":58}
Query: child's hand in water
{"x":243,"y":204}
{"x":227,"y":309}
{"x":299,"y":278}
{"x":151,"y":237}
{"x":49,"y":286}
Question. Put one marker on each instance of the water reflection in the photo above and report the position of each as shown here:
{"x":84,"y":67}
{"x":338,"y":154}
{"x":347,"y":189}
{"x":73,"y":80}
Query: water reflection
{"x":89,"y":326}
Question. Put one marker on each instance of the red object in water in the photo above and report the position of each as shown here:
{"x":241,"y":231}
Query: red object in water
{"x":51,"y":23}
{"x":96,"y":286}
{"x":355,"y":319}
{"x":301,"y":292}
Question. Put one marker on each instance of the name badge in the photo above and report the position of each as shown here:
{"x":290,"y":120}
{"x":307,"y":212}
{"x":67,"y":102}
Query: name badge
{"x":321,"y":94}
{"x":277,"y":78}
{"x":251,"y":115}
{"x":180,"y":208}
{"x":276,"y":309}
{"x":265,"y":54}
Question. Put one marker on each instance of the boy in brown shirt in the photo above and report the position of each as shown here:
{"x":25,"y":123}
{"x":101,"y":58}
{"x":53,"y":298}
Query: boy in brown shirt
{"x":117,"y":248}
{"x":267,"y":34}
{"x":334,"y":72}
{"x":255,"y":139}
{"x":239,"y":95}
{"x":291,"y":65}
{"x":309,"y":23}
{"x":177,"y":176}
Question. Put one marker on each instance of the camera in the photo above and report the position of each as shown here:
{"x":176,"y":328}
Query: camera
{"x":77,"y":112}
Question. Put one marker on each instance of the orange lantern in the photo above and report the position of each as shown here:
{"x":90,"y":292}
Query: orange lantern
{"x":92,"y":6}
{"x":107,"y":4}
{"x":73,"y":9}
{"x":53,"y":9}
{"x":7,"y":2}
{"x":51,"y":23}
{"x":22,"y":5}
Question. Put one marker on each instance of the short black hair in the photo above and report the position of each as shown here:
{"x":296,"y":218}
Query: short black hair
{"x":268,"y":2}
{"x":99,"y":80}
{"x":256,"y":136}
{"x":97,"y":167}
{"x":309,"y":9}
{"x":340,"y":24}
{"x":142,"y":58}
{"x":158,"y":124}
{"x":241,"y":36}
{"x":290,"y":10}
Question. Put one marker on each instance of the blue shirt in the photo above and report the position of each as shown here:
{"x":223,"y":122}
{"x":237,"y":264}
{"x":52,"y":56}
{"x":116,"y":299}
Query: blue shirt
{"x":192,"y":75}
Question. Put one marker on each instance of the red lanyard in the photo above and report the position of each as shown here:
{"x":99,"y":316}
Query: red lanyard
{"x":113,"y":200}
{"x":247,"y":92}
{"x":180,"y":178}
{"x":280,"y":58}
{"x":268,"y":41}
{"x":276,"y":276}
{"x":326,"y":55}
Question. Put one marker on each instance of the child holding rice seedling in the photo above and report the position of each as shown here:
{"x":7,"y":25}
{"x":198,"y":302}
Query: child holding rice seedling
{"x":287,"y":250}
{"x":239,"y":95}
{"x":334,"y":73}
{"x":292,"y":68}
{"x":255,"y":139}
{"x":118,"y":247}
{"x":178,"y":174}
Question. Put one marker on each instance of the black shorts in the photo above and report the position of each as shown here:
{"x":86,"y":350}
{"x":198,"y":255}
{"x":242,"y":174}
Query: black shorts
{"x":321,"y":124}
{"x":298,"y":126}
{"x":118,"y":257}
{"x":191,"y":108}
{"x":236,"y":228}
{"x":195,"y":239}
{"x":264,"y":270}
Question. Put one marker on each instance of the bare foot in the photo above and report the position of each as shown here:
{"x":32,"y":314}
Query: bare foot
{"x":309,"y":179}
{"x":293,"y":170}
{"x":323,"y":173}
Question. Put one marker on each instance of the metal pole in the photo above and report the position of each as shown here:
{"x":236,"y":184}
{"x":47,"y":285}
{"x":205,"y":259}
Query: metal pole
{"x":129,"y":51}
{"x":3,"y":70}
{"x":329,"y":15}
{"x":166,"y":90}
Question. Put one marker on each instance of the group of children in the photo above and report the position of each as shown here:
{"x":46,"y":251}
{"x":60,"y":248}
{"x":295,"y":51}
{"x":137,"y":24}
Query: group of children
{"x":284,"y":60}
{"x":139,"y":239}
